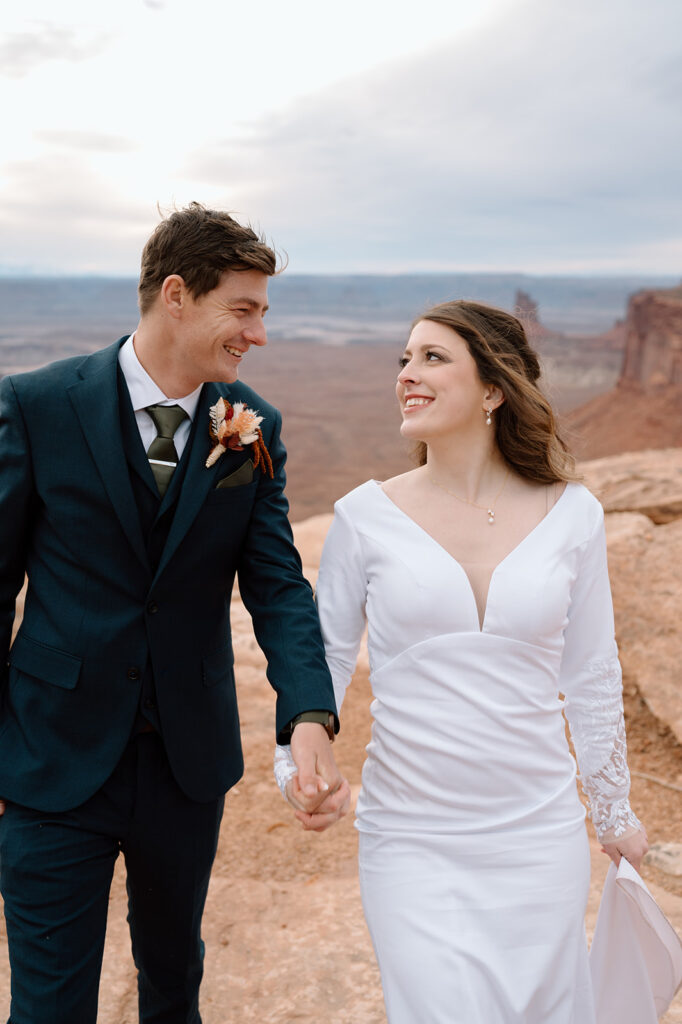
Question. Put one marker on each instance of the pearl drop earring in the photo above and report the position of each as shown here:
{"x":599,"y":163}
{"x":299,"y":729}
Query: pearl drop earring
{"x":488,"y":418}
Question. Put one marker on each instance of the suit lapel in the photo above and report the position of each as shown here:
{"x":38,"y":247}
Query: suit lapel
{"x":95,"y":400}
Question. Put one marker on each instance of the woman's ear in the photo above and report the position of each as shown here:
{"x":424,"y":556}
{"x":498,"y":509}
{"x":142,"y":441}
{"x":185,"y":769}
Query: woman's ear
{"x":494,"y":397}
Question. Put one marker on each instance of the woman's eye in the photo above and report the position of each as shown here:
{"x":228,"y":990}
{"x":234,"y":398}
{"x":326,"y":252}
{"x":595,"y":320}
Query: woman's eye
{"x":432,"y":355}
{"x":402,"y":363}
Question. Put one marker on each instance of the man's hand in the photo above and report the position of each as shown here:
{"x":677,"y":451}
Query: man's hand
{"x":318,"y":792}
{"x":333,"y":807}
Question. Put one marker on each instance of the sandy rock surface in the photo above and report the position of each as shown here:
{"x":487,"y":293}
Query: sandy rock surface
{"x":285,"y":935}
{"x":648,"y":482}
{"x":644,"y":561}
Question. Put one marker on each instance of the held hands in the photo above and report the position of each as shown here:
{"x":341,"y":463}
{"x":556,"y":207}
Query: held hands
{"x":632,"y":847}
{"x":318,"y":792}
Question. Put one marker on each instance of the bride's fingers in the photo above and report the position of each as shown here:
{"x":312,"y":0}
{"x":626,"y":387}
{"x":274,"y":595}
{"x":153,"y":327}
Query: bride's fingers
{"x":331,"y":810}
{"x":305,"y":801}
{"x":633,"y":848}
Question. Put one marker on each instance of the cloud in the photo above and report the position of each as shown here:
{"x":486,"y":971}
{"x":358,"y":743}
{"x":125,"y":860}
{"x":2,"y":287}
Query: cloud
{"x":90,"y":141}
{"x":72,"y":216}
{"x":22,"y":52}
{"x":551,"y":136}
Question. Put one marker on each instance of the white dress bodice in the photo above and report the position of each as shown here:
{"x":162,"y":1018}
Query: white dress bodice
{"x":468,"y":733}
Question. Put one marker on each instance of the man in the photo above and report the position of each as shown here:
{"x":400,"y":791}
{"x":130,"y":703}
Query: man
{"x":118,"y":724}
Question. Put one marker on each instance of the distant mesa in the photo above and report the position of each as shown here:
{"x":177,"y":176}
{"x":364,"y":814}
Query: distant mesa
{"x":528,"y":312}
{"x":526,"y":308}
{"x":644,"y":410}
{"x":653,"y":347}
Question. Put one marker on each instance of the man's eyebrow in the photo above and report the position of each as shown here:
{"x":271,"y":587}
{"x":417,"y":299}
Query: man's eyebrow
{"x":248,"y":302}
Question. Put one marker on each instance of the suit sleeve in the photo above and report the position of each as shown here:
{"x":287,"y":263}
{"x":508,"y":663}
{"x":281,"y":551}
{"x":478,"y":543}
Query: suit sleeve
{"x":280,"y":600}
{"x":16,"y":497}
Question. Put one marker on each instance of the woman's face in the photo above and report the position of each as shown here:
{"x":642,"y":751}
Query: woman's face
{"x":438,"y":386}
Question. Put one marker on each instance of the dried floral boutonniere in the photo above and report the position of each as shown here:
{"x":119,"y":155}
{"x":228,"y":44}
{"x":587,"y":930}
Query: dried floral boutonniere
{"x":234,"y":426}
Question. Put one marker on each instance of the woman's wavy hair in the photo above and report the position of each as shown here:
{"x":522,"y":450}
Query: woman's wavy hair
{"x":526,"y":429}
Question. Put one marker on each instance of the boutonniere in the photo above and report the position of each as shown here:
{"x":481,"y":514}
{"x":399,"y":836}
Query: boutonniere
{"x":235,"y":427}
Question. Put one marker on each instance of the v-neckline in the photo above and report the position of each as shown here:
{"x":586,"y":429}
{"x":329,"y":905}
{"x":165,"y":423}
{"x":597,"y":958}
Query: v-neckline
{"x":480,"y":622}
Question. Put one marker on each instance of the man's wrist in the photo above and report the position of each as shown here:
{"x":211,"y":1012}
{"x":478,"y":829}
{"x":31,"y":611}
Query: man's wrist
{"x":324,"y":718}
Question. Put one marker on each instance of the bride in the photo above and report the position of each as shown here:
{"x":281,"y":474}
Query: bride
{"x":482,"y":575}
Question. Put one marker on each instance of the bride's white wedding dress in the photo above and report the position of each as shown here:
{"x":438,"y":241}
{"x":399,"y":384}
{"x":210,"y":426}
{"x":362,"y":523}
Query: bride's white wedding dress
{"x":474,"y":861}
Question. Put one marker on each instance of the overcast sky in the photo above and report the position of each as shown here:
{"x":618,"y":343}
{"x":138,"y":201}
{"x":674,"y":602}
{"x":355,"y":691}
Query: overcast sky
{"x":372,"y":135}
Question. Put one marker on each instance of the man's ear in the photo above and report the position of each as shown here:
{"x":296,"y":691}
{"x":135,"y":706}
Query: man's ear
{"x":174,"y":295}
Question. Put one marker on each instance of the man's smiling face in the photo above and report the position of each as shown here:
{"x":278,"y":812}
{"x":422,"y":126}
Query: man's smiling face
{"x":219,"y":327}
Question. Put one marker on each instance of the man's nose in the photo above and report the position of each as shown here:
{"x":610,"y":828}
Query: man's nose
{"x":255,"y":333}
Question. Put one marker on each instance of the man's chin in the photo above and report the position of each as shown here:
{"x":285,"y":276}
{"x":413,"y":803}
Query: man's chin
{"x":228,"y":376}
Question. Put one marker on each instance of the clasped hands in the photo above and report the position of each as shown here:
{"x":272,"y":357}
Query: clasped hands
{"x":318,"y":792}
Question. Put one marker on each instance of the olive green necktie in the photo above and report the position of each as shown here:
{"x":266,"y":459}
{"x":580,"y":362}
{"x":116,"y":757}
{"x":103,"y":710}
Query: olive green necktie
{"x":162,"y":453}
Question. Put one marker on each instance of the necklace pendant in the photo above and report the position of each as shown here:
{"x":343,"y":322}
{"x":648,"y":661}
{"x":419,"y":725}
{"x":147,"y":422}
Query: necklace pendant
{"x":491,"y":516}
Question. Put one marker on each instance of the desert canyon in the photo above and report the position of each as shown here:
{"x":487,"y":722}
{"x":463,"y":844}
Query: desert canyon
{"x":285,"y":936}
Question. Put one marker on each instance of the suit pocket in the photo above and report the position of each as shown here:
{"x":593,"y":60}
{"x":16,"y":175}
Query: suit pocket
{"x":241,"y":476}
{"x":218,"y":666}
{"x":43,"y":662}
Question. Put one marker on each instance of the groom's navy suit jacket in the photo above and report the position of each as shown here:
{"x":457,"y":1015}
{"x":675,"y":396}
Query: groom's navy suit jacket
{"x":115,"y":603}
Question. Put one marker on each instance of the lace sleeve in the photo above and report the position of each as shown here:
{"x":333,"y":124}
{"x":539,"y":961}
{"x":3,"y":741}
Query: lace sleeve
{"x":285,"y":767}
{"x":598,"y":733}
{"x":591,"y":682}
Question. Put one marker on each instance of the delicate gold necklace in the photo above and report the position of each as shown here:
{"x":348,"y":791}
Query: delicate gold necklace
{"x":490,"y":509}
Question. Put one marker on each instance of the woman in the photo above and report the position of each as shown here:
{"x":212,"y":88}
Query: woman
{"x":483,"y":578}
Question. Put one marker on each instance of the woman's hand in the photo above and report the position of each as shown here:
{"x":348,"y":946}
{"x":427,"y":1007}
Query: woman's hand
{"x":632,"y":847}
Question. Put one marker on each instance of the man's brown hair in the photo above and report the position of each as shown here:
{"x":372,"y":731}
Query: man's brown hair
{"x":200,"y":244}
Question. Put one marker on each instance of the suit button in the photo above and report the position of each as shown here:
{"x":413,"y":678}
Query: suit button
{"x":152,"y":607}
{"x":149,"y":704}
{"x":133,"y":673}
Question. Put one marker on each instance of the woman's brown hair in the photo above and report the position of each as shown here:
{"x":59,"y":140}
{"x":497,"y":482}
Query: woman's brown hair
{"x":525,"y":426}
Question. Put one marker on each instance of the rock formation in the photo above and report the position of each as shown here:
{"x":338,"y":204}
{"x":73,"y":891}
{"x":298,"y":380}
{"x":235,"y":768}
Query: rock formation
{"x":525,"y":307}
{"x":653,"y":346}
{"x":645,"y":408}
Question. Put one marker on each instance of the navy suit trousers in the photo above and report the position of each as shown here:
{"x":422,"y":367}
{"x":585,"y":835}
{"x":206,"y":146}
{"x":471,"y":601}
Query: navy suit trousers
{"x":55,"y":875}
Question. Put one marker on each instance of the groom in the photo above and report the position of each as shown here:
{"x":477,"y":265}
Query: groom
{"x":119,"y":728}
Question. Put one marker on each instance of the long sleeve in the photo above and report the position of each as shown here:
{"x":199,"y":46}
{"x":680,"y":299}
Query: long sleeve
{"x":341,"y":598}
{"x":590,"y":680}
{"x":341,"y":594}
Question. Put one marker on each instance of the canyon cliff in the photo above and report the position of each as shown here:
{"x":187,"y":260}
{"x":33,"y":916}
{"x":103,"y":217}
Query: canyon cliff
{"x":644,"y":410}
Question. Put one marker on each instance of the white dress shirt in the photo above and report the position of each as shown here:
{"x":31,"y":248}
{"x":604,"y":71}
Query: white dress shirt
{"x":144,"y":391}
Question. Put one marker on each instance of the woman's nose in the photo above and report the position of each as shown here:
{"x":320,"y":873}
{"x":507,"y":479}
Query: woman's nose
{"x":407,"y":374}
